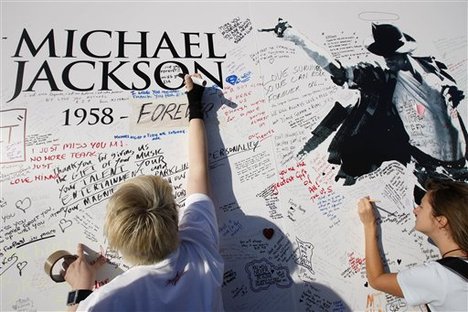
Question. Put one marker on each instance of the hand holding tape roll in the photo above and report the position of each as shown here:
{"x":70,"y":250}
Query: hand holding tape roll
{"x":82,"y":272}
{"x":50,"y":265}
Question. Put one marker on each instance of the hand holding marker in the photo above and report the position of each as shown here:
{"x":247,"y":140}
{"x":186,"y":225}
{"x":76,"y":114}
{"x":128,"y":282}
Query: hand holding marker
{"x":196,"y":80}
{"x":373,"y":201}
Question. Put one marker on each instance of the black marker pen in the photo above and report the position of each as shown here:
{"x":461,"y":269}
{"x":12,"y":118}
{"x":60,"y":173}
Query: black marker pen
{"x":196,"y":80}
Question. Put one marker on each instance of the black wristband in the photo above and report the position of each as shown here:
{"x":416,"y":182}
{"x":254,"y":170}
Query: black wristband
{"x":194,"y":101}
{"x":75,"y":296}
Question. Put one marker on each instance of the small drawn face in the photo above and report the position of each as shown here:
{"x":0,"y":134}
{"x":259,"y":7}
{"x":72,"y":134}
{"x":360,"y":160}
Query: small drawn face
{"x":425,"y":220}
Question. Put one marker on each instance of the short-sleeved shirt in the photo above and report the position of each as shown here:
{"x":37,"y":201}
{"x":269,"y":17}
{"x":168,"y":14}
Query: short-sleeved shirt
{"x":435,"y":285}
{"x":189,"y":279}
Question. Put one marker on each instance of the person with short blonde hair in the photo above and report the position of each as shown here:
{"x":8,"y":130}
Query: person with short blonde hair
{"x":142,"y":220}
{"x":176,"y":261}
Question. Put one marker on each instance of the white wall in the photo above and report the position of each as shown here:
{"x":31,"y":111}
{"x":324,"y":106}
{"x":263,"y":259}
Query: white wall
{"x":52,"y":167}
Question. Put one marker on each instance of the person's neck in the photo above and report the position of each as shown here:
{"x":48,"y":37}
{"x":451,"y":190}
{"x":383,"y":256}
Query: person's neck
{"x":454,"y":252}
{"x":448,"y":248}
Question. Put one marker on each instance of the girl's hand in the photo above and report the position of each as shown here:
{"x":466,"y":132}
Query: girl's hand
{"x":366,"y":211}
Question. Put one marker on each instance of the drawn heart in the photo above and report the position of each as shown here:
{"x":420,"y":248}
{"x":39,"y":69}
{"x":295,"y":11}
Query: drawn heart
{"x":366,"y":284}
{"x":268,"y":233}
{"x":398,"y":261}
{"x":21,"y":265}
{"x":23,"y":204}
{"x":65,"y":224}
{"x":420,"y":109}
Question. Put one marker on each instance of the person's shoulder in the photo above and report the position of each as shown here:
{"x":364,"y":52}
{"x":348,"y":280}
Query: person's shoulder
{"x":196,"y":205}
{"x":118,"y":286}
{"x":197,"y":199}
{"x":444,"y":269}
{"x":432,"y":270}
{"x":427,"y":269}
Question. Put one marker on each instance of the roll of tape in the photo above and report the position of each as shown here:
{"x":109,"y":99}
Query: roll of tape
{"x":52,"y":261}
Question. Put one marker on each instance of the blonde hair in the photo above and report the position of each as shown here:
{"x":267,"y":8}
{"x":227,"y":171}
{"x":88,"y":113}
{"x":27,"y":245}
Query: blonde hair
{"x":142,"y":220}
{"x":450,"y":199}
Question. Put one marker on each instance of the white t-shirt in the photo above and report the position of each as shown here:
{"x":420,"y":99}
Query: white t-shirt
{"x":436,"y":285}
{"x":189,"y":279}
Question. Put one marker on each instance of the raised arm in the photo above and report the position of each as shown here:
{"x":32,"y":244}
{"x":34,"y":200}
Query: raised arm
{"x":322,"y":57}
{"x":197,"y":181}
{"x":378,"y":278}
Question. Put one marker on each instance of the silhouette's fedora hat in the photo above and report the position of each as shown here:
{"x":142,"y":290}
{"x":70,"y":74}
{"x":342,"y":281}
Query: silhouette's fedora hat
{"x":389,"y":40}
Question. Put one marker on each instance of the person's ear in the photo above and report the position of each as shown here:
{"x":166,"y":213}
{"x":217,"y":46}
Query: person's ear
{"x":443,"y":221}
